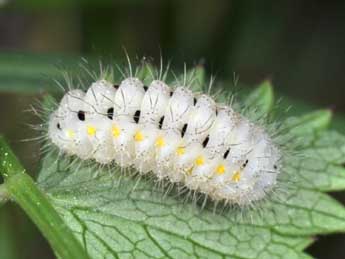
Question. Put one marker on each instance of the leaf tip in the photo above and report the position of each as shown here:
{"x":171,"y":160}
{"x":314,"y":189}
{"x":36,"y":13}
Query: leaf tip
{"x":324,"y":116}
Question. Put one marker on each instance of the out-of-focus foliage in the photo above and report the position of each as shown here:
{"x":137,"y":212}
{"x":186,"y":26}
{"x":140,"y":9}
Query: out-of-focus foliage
{"x":7,"y":237}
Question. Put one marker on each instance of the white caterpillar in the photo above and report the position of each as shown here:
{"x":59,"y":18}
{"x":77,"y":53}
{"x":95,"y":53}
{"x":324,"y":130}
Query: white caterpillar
{"x":180,"y":136}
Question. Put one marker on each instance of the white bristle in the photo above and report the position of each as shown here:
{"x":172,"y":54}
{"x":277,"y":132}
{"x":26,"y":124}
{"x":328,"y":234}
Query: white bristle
{"x":178,"y":135}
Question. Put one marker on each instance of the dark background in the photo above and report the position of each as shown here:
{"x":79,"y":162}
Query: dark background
{"x":299,"y":45}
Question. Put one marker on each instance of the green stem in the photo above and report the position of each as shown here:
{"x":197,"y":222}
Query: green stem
{"x":3,"y":194}
{"x":21,"y":188}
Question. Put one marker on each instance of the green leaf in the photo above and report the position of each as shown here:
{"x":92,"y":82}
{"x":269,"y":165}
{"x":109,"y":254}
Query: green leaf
{"x":146,"y":73}
{"x":116,"y":216}
{"x":324,"y":153}
{"x":113,"y":218}
{"x":309,"y":123}
{"x":322,"y":167}
{"x":199,"y":78}
{"x":262,"y":98}
{"x":194,"y":78}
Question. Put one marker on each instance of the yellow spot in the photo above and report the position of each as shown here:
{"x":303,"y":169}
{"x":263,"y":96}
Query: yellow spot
{"x":138,"y":136}
{"x":91,"y":131}
{"x":236,"y":177}
{"x":70,"y":133}
{"x":160,"y":142}
{"x":199,"y":160}
{"x":115,"y":131}
{"x":180,"y":151}
{"x":220,"y":169}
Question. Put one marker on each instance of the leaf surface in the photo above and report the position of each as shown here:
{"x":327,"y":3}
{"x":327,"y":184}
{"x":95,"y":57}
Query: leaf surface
{"x":117,"y":216}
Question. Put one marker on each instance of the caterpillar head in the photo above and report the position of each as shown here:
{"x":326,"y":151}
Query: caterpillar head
{"x":65,"y":123}
{"x":69,"y":125}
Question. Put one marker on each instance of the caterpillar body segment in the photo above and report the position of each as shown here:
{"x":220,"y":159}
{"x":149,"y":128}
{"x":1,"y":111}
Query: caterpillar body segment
{"x":177,"y":135}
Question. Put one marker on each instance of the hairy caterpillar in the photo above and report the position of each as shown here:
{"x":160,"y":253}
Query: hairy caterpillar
{"x":176,"y":134}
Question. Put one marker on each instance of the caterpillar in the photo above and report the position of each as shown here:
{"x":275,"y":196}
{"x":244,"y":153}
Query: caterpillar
{"x":180,"y":136}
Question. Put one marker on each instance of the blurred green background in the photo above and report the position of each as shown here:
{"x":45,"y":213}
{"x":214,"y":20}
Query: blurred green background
{"x":299,"y":45}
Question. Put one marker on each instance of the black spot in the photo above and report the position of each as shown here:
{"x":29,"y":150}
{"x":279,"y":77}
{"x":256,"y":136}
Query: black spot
{"x":171,"y":93}
{"x":194,"y":101}
{"x":216,"y":112}
{"x":183,"y":131}
{"x":116,"y":86}
{"x":81,"y":115}
{"x":136,"y":116}
{"x":245,"y":163}
{"x":226,"y":153}
{"x":58,"y":126}
{"x":160,"y":123}
{"x":110,"y":113}
{"x":275,"y":167}
{"x":204,"y":143}
{"x":145,"y":88}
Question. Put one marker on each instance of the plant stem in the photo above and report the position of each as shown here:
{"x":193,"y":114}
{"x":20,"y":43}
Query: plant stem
{"x":3,"y":194}
{"x":20,"y":187}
